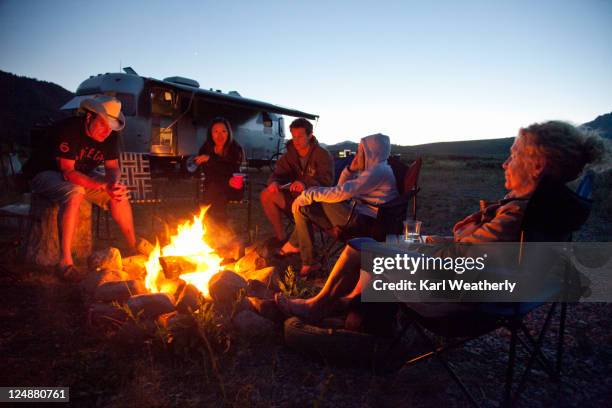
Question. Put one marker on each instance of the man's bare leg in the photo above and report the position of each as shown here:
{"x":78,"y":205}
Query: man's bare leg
{"x":122,"y":214}
{"x":272,"y":204}
{"x":69,"y":218}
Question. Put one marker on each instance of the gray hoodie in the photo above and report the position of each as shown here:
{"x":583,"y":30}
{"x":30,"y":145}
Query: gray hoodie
{"x":374,"y":185}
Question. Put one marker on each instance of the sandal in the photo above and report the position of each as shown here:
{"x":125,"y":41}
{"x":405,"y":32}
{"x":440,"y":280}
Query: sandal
{"x":69,"y":273}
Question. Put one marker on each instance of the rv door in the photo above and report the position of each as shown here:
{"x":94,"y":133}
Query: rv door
{"x":163,"y":128}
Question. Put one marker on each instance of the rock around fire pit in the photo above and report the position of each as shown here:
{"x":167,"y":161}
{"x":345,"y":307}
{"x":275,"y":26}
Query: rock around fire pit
{"x":118,"y":295}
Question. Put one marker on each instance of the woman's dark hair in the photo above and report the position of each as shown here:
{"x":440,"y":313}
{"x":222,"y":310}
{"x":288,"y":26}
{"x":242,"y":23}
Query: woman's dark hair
{"x":210,"y":143}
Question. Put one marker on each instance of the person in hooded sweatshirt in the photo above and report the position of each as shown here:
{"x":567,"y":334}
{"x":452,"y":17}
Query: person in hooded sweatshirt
{"x":543,"y":158}
{"x":368,"y":178}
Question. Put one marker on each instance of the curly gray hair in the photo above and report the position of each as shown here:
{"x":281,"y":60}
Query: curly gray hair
{"x":566,"y":149}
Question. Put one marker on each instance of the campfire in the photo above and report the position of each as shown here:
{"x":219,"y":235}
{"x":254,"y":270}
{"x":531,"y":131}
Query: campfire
{"x":175,"y":280}
{"x":188,"y":255}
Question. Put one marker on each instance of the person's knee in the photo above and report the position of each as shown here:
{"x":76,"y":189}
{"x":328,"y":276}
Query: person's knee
{"x":264,"y":196}
{"x":301,"y":212}
{"x":350,"y":254}
{"x":75,"y":195}
{"x":269,"y":198}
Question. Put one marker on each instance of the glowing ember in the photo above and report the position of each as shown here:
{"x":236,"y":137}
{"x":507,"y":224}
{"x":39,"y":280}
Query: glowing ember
{"x":188,"y":243}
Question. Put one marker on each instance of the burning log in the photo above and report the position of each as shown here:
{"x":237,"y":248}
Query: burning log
{"x":250,"y":262}
{"x":144,"y":247}
{"x":268,"y":276}
{"x":134,"y":266}
{"x":174,"y":266}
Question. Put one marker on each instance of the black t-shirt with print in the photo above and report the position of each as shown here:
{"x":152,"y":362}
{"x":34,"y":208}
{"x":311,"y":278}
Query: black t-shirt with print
{"x":70,"y":141}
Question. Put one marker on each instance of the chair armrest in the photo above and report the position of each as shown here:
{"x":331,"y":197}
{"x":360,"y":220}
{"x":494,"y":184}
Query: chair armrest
{"x":399,"y":201}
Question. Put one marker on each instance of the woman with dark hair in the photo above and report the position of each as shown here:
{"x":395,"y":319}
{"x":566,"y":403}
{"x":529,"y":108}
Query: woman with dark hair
{"x":220,"y":157}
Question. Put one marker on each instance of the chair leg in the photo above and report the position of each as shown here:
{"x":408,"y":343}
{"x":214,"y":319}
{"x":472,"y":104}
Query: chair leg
{"x":436,"y":351}
{"x":535,"y":352}
{"x":560,"y":338}
{"x":511,"y":362}
{"x":530,"y":346}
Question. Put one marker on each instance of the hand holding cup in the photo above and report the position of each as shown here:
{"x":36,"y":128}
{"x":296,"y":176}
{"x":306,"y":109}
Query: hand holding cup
{"x":237,"y":181}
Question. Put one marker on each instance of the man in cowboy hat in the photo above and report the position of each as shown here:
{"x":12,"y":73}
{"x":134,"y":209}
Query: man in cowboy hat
{"x":66,"y":174}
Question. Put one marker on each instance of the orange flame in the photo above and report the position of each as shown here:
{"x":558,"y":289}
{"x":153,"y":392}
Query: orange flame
{"x":189,"y":243}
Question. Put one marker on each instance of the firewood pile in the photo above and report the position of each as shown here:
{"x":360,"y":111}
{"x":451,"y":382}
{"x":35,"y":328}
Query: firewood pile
{"x":118,"y":299}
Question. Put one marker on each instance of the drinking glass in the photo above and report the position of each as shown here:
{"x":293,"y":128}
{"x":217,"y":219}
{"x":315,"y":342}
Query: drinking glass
{"x":412,"y":231}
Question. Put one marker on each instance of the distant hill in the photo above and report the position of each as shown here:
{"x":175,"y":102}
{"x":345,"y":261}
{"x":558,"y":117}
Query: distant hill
{"x":497,"y":148}
{"x":470,"y":148}
{"x":493,"y":148}
{"x":25,"y":102}
{"x":602,"y":123}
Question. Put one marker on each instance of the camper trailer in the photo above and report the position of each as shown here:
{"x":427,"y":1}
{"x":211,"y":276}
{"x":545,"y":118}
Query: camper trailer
{"x":168,"y":118}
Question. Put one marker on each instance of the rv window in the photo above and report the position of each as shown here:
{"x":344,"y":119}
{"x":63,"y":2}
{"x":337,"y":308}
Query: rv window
{"x":128,"y":103}
{"x":163,"y":102}
{"x":267,"y":120}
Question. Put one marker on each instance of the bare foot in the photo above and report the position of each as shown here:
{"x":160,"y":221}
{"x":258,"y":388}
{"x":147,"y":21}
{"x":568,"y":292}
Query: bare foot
{"x":295,"y":307}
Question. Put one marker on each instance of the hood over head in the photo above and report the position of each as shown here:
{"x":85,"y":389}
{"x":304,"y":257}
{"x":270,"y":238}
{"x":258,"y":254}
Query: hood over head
{"x":376,"y":149}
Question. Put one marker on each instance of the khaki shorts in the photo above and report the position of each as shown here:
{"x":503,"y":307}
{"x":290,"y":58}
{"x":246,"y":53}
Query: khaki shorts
{"x":51,"y":184}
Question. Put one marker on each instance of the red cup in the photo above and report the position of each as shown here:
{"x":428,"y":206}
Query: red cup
{"x":238,"y":180}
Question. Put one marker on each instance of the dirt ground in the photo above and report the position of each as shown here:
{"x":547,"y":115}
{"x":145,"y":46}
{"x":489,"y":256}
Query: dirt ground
{"x":45,"y":339}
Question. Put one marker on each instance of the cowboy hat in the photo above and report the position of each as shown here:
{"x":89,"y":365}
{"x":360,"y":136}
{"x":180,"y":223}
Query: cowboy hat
{"x":107,"y":107}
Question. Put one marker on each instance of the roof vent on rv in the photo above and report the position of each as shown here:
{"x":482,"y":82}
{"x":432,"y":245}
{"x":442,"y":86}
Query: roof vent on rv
{"x":183,"y":81}
{"x":234,"y":93}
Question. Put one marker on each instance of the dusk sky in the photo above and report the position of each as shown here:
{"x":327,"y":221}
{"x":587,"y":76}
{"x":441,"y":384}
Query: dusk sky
{"x":416,"y":71}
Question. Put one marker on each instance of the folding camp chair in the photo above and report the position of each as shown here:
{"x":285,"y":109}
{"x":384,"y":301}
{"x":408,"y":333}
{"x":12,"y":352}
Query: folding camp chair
{"x":390,"y":216}
{"x":467,"y":322}
{"x":136,"y":175}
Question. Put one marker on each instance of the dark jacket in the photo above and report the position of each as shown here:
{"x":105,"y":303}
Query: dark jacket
{"x":318,"y":171}
{"x":219,"y":169}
